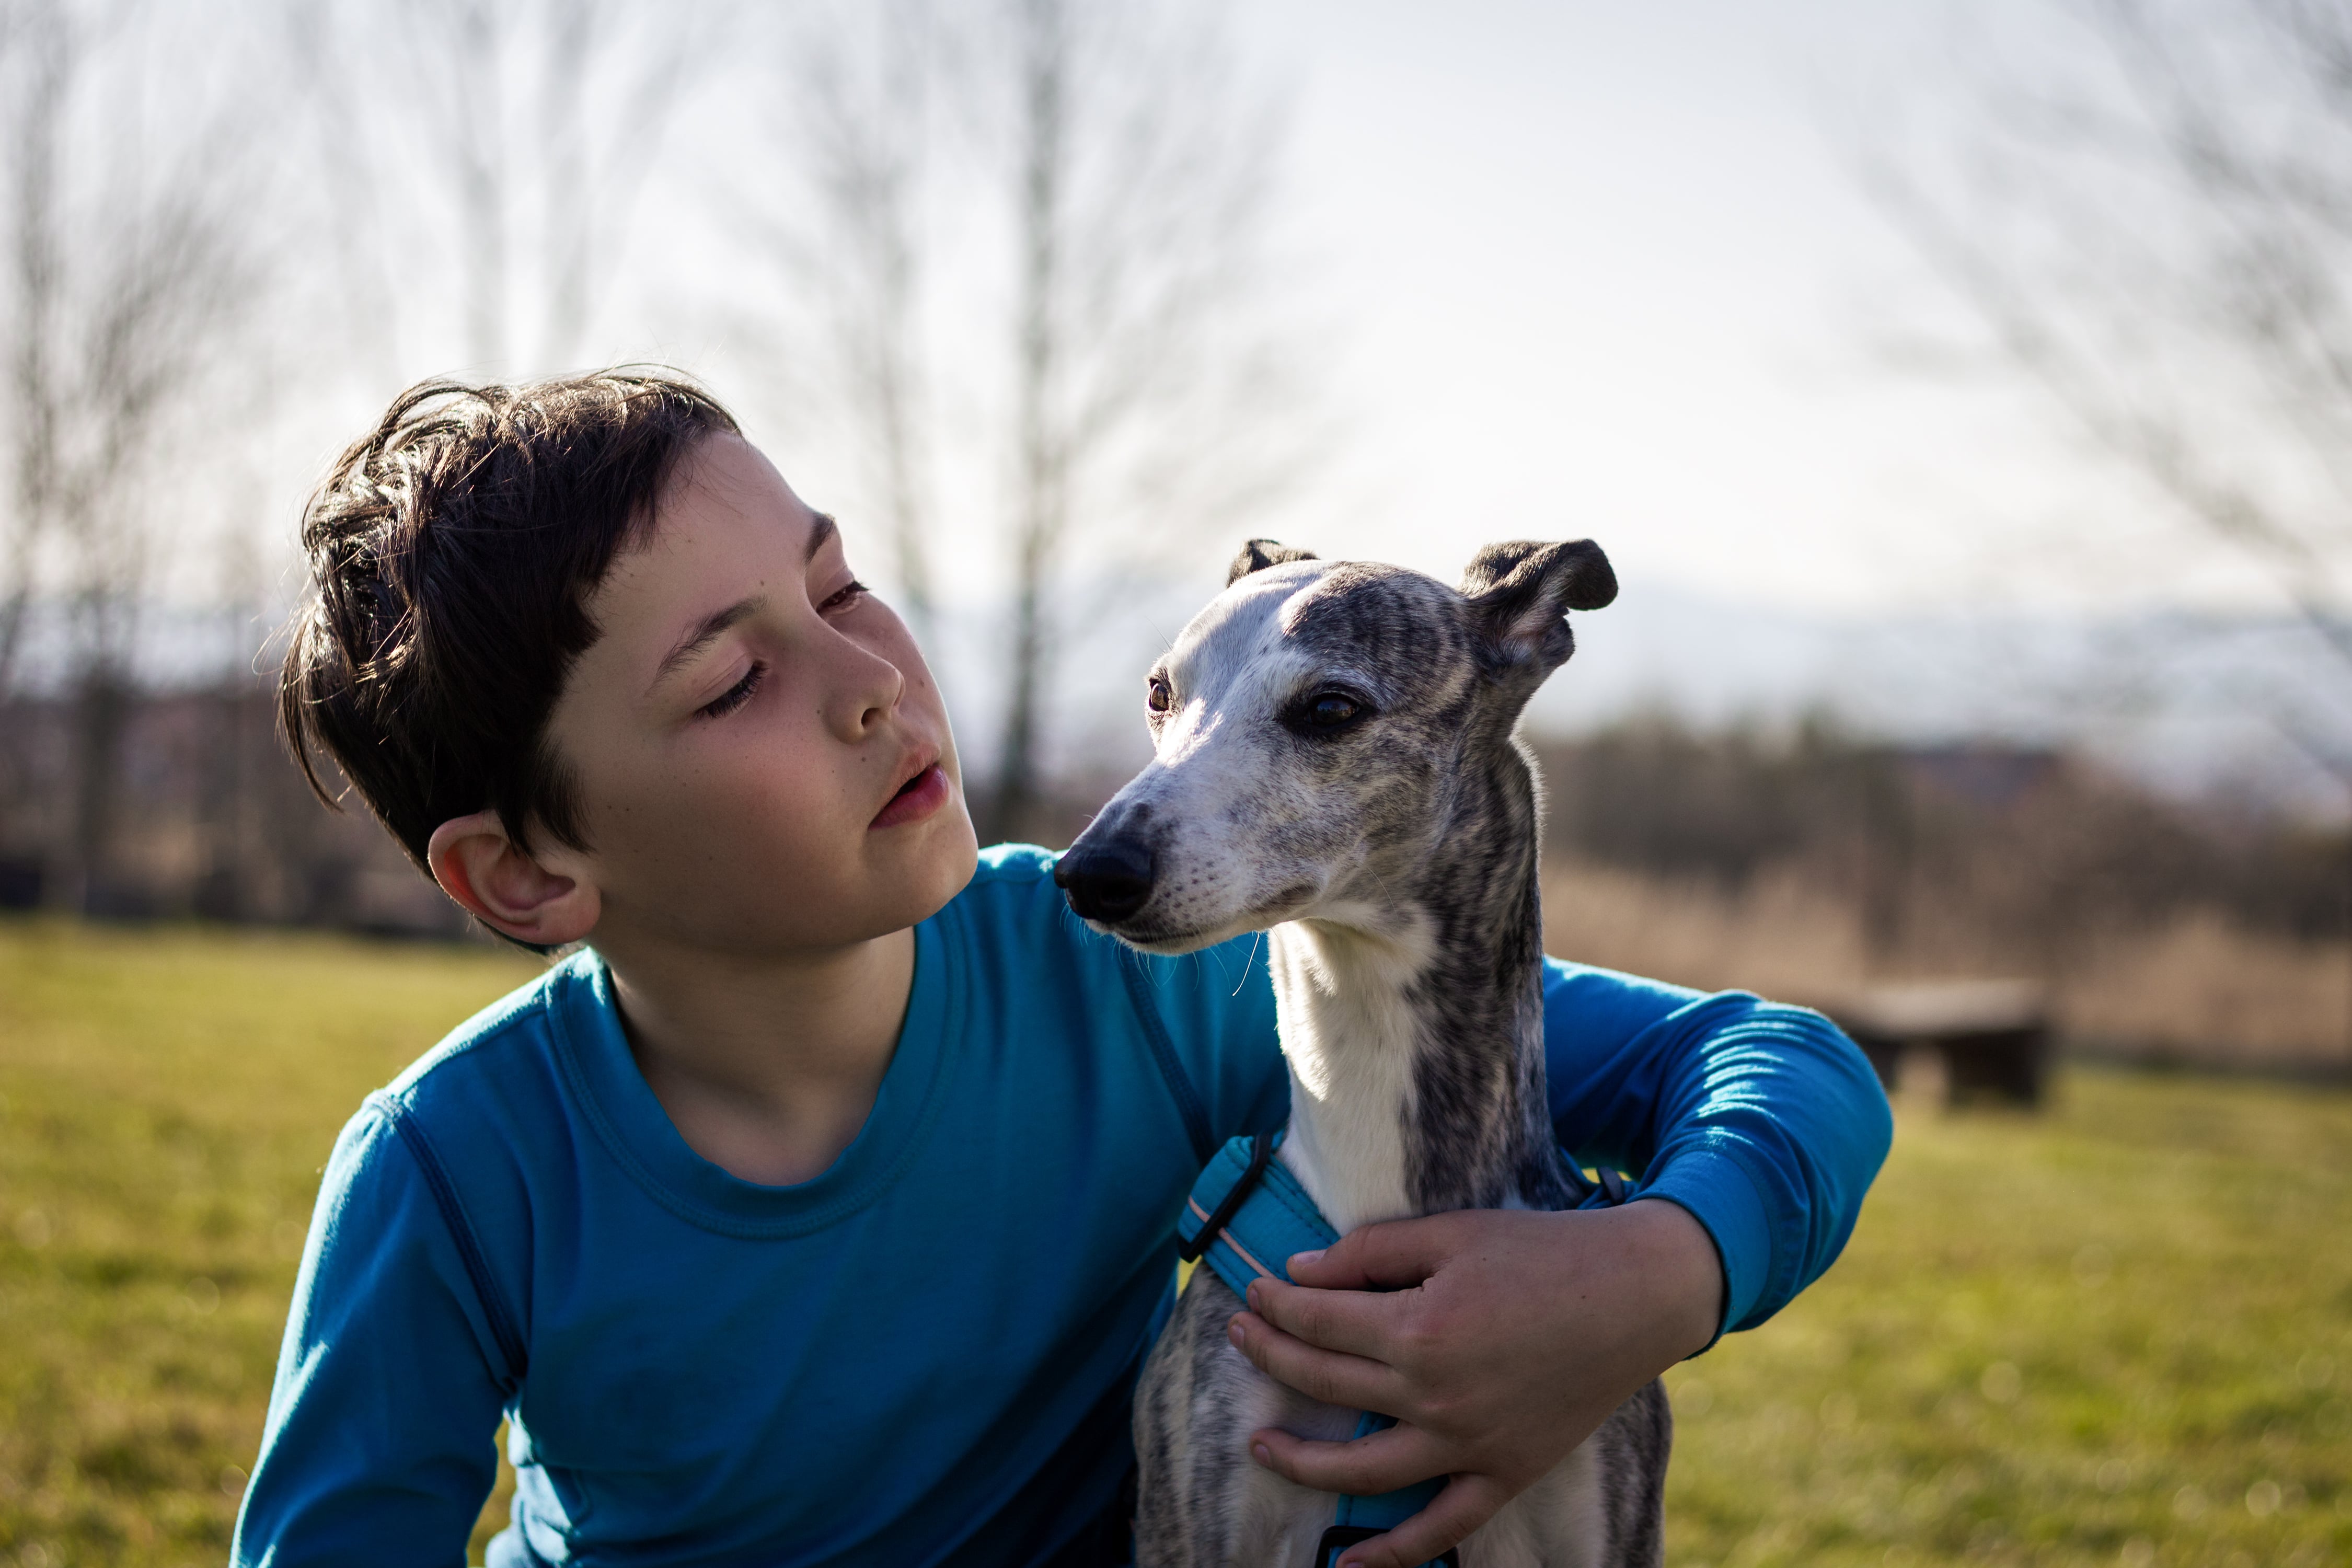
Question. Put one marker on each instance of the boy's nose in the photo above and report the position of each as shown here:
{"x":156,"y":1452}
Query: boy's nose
{"x":1106,"y":881}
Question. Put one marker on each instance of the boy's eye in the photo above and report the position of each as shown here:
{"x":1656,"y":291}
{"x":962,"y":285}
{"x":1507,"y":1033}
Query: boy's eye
{"x":853,"y":591}
{"x":735,"y":696}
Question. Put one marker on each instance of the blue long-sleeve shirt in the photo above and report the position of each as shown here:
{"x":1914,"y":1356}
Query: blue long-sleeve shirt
{"x":924,"y":1354}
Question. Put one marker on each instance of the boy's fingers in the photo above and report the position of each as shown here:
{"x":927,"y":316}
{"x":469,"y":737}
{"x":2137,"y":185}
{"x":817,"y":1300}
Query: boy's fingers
{"x":1390,"y":1255}
{"x":1467,"y":1502}
{"x":1326,"y":1376}
{"x":1354,"y":1322}
{"x":1381,"y":1462}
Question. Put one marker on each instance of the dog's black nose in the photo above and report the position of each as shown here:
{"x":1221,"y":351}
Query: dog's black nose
{"x":1107,"y":881}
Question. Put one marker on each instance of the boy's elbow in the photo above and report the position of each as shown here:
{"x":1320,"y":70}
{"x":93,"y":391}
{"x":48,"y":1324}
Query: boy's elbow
{"x":1874,"y":1117}
{"x":1853,"y":1107}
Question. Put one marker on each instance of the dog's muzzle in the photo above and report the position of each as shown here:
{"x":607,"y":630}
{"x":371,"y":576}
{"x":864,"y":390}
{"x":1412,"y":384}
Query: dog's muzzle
{"x":1107,"y":881}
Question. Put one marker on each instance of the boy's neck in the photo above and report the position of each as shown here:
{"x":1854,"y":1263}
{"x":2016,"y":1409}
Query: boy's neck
{"x":768,"y":1065}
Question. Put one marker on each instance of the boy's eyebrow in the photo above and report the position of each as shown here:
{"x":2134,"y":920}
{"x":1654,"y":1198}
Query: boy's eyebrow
{"x":824,"y":529}
{"x":821,"y":529}
{"x":706,"y":631}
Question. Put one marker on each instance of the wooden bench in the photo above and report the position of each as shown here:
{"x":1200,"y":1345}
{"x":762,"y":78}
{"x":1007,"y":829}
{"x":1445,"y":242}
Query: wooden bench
{"x":1992,"y":1038}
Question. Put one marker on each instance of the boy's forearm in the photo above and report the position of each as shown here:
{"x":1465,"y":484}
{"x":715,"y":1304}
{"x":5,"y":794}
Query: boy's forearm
{"x":1763,"y":1120}
{"x":1675,"y":1254}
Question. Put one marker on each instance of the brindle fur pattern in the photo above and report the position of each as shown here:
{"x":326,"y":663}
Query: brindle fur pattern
{"x":1392,"y":862}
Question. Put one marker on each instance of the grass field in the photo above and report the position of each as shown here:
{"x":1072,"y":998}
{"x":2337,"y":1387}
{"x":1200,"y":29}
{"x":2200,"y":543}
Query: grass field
{"x":2120,"y":1332}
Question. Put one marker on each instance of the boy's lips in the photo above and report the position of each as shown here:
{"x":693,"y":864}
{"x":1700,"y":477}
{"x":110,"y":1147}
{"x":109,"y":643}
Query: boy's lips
{"x":917,"y":798}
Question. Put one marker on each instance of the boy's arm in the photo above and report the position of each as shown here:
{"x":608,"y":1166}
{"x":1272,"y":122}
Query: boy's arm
{"x":1507,"y":1338}
{"x":390,"y":1378}
{"x":1760,"y":1119}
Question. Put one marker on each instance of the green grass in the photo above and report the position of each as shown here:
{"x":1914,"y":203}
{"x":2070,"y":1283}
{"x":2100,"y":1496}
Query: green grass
{"x":2120,"y":1332}
{"x":166,"y":1101}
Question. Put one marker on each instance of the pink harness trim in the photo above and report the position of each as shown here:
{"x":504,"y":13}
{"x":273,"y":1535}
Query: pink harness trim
{"x":1227,"y":1238}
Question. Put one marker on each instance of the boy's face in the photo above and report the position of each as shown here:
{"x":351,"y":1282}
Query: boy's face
{"x":762,"y":758}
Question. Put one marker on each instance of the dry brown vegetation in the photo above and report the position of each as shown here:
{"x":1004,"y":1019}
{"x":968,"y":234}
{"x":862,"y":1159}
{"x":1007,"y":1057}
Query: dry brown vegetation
{"x":2196,"y":989}
{"x":1812,"y":867}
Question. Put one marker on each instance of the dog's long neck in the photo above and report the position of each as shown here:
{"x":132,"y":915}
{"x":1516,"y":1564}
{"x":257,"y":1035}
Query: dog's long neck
{"x":1414,"y":1023}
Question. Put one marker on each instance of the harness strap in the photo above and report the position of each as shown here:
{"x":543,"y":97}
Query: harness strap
{"x":1248,"y":1213}
{"x":1387,"y":1509}
{"x":1212,"y":1226}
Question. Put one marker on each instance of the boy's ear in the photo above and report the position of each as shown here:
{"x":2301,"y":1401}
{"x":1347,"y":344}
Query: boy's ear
{"x":1520,"y":594}
{"x":1257,"y":554}
{"x":504,"y":886}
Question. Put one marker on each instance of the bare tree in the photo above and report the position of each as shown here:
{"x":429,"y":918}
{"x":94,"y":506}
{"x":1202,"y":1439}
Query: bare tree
{"x":859,"y":122}
{"x":2157,"y":227}
{"x":1106,"y":177}
{"x":508,"y":139}
{"x":119,"y":302}
{"x":1152,"y":396}
{"x":37,"y":51}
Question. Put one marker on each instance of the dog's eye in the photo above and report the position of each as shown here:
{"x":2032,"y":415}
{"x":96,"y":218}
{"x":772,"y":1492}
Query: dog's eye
{"x":1330,"y":711}
{"x":1156,"y":697}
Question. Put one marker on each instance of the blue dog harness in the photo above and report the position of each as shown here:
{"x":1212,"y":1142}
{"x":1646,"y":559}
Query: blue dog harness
{"x":1246,"y":1216}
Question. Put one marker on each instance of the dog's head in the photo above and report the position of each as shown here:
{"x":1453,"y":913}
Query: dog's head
{"x":1312,"y":725}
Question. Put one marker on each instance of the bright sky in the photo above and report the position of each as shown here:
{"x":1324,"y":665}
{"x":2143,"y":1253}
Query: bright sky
{"x":1586,"y":269}
{"x":1604,"y":268}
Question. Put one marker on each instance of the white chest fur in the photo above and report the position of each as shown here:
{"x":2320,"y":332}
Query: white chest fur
{"x":1351,"y":1035}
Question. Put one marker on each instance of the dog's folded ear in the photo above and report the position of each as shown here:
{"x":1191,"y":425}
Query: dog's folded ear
{"x":1260,"y":553}
{"x":1520,"y":594}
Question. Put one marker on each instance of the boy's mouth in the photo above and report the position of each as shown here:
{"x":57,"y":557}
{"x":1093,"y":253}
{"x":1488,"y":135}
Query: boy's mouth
{"x":917,"y":798}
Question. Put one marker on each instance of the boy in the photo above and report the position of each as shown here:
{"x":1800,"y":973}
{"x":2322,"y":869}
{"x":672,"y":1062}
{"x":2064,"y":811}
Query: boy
{"x":820,"y":1209}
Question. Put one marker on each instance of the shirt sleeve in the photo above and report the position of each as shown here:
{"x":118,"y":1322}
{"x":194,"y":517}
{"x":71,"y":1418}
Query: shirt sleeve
{"x":1762,"y":1120}
{"x":391,"y":1379}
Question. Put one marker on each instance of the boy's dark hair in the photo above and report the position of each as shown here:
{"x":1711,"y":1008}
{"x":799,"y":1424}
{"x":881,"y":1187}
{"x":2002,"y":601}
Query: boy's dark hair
{"x":452,"y":552}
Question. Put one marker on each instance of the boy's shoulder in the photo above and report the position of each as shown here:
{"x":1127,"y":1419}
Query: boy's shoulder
{"x":1011,"y":924}
{"x":1012,"y":898}
{"x":492,"y":1089}
{"x":1212,"y":1008}
{"x":1014,"y":865}
{"x":515,"y":1031}
{"x":480,"y":1126}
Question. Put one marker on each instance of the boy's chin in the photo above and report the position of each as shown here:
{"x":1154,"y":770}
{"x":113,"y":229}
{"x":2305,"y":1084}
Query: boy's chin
{"x":914,"y":879}
{"x":945,"y":862}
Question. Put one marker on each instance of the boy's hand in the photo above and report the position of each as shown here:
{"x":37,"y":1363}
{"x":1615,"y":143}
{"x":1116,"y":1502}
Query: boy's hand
{"x":1505,"y":1340}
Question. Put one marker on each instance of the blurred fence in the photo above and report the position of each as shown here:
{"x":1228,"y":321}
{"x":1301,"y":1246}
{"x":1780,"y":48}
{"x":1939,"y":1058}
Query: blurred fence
{"x":1814,"y":866}
{"x":199,"y":813}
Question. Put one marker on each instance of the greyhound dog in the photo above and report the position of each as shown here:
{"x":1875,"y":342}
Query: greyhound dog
{"x":1337,"y":764}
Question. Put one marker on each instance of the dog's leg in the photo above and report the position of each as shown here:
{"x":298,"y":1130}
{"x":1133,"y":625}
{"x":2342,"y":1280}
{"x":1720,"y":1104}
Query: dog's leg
{"x":1636,"y":1441}
{"x":1201,"y":1503}
{"x":1601,"y":1507}
{"x":1163,"y":1440}
{"x":1186,"y":1438}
